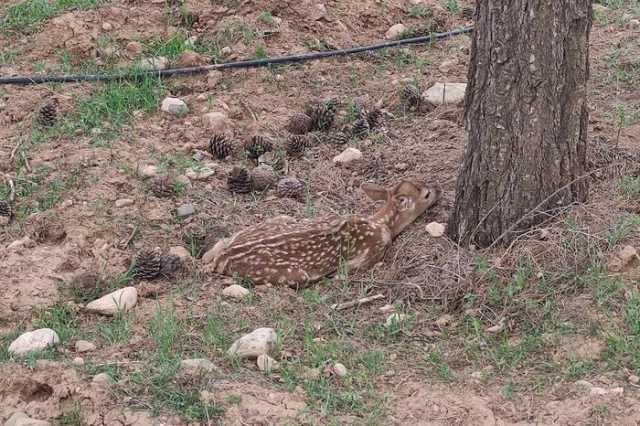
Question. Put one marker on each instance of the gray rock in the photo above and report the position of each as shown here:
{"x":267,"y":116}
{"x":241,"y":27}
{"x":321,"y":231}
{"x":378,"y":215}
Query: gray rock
{"x":445,"y":93}
{"x":235,"y":291}
{"x":124,"y":202}
{"x":216,"y":121}
{"x":35,"y":340}
{"x":259,"y":342}
{"x":195,"y":364}
{"x":340,"y":369}
{"x":149,"y":171}
{"x":78,"y":361}
{"x":174,"y":106}
{"x":185,"y":210}
{"x":21,"y":419}
{"x":84,"y":346}
{"x":395,"y":31}
{"x":435,"y":229}
{"x":181,"y":252}
{"x":102,"y":380}
{"x":120,"y":300}
{"x":347,"y":156}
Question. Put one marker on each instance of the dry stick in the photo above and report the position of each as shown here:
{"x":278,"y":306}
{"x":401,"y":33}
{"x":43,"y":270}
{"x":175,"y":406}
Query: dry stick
{"x":347,"y":305}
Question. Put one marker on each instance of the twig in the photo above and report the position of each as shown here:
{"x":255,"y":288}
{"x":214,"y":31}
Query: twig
{"x":15,"y":150}
{"x":26,"y":162}
{"x":359,"y":302}
{"x":125,"y":244}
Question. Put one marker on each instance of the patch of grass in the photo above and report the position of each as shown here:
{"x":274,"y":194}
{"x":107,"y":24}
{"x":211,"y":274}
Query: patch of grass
{"x":576,"y":368}
{"x":60,"y":318}
{"x":70,"y":417}
{"x":419,"y":11}
{"x":27,"y":15}
{"x":115,"y":330}
{"x":261,"y":51}
{"x":629,"y":187}
{"x":434,"y":360}
{"x":451,"y":5}
{"x":622,"y":228}
{"x":114,"y":104}
{"x":5,"y":341}
{"x":266,"y":17}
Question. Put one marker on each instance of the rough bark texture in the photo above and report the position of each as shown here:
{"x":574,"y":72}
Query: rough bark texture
{"x":526,"y":113}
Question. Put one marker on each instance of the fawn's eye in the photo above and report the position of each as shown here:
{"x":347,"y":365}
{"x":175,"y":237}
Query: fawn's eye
{"x":426,"y":194}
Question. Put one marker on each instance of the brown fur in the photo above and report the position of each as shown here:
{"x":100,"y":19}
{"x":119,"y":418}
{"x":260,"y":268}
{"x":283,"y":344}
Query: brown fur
{"x":284,"y":251}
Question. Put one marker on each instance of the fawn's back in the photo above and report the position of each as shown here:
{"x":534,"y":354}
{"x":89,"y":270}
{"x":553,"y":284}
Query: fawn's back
{"x":284,"y":251}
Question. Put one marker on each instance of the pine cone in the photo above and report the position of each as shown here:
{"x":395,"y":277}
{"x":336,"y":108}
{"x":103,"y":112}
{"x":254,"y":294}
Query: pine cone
{"x":297,"y":144}
{"x":411,"y":95}
{"x":263,"y":177}
{"x":5,"y":213}
{"x":322,"y":115}
{"x":219,"y":147}
{"x":337,"y":138}
{"x":374,"y":118}
{"x":299,"y":124}
{"x":239,"y":181}
{"x":361,"y":128}
{"x":289,"y":187}
{"x":162,"y":187}
{"x":467,"y":13}
{"x":149,"y":265}
{"x":256,"y":146}
{"x":48,"y":114}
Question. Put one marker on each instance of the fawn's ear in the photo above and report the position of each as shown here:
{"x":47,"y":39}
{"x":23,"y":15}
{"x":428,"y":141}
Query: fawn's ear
{"x":375,"y":192}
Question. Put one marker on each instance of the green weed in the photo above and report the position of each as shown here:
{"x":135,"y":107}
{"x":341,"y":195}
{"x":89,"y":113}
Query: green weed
{"x":27,"y":15}
{"x":60,"y":318}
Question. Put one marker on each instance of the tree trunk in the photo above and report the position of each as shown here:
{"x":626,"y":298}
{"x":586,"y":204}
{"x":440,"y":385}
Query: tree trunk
{"x":526,"y":113}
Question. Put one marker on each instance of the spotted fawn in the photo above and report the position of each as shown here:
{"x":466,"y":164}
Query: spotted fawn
{"x":285,"y":251}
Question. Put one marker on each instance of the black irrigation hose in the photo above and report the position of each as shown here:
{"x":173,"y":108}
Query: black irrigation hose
{"x":39,"y":79}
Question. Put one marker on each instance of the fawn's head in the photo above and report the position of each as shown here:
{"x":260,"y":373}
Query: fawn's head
{"x":404,"y":202}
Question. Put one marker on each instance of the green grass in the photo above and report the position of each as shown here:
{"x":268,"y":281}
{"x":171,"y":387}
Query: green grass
{"x":27,"y":15}
{"x":60,"y":318}
{"x":115,"y":330}
{"x":419,"y":11}
{"x":451,"y":5}
{"x":70,"y":417}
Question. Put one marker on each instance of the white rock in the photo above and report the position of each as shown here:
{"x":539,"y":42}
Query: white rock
{"x":120,"y":300}
{"x":200,"y":174}
{"x":584,"y":383}
{"x":395,"y":319}
{"x":174,"y":106}
{"x":598,"y":391}
{"x":78,"y":361}
{"x":195,"y":364}
{"x":216,"y":121}
{"x":35,"y":340}
{"x":21,"y":419}
{"x":124,"y":202}
{"x":445,"y":93}
{"x":213,"y":77}
{"x":633,"y":24}
{"x":259,"y":342}
{"x":266,"y":363}
{"x":102,"y":379}
{"x":387,"y":308}
{"x":24,"y":242}
{"x":476,"y":375}
{"x":107,"y":26}
{"x":235,"y":291}
{"x":348,"y":155}
{"x":446,"y":66}
{"x":435,"y":229}
{"x":633,"y":379}
{"x":181,"y":252}
{"x":84,"y":346}
{"x":496,"y":328}
{"x":149,"y":171}
{"x":226,"y":50}
{"x":340,"y":369}
{"x":158,"y":63}
{"x":395,"y":31}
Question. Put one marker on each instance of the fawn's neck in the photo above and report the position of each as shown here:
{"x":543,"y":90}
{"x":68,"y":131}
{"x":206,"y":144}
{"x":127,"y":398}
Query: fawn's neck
{"x":386,"y":215}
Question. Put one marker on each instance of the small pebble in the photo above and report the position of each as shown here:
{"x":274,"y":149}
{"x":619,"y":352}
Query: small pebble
{"x":185,"y":210}
{"x":124,"y":202}
{"x":78,"y":361}
{"x":339,"y":369}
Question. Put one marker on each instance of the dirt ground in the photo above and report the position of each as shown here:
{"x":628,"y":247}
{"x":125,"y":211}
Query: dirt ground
{"x":541,"y":332}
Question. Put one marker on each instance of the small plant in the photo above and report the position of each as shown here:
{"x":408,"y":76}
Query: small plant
{"x":452,"y":6}
{"x":266,"y":17}
{"x":60,"y":318}
{"x":419,"y":11}
{"x":71,"y":417}
{"x":630,"y":187}
{"x":261,"y":51}
{"x":116,"y":330}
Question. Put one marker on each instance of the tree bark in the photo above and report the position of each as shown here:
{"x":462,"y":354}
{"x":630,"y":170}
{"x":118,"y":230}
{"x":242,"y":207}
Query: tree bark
{"x":526,"y":114}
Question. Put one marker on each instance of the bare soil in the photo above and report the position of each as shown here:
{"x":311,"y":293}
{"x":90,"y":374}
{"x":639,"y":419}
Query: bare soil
{"x":425,"y":372}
